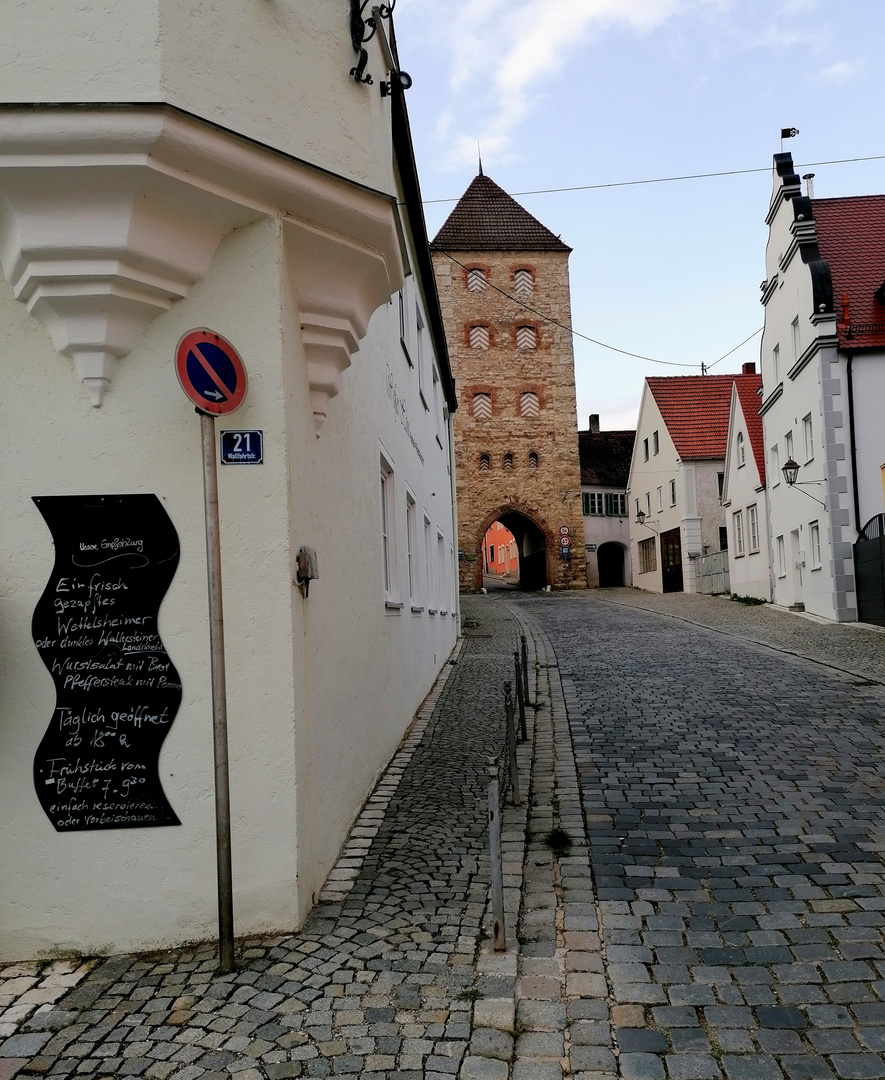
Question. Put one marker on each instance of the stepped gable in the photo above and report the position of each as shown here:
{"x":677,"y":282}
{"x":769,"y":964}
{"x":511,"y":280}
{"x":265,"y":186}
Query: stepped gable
{"x":486,"y":218}
{"x":695,"y":409}
{"x":605,"y":457}
{"x":748,"y":395}
{"x":851,"y":237}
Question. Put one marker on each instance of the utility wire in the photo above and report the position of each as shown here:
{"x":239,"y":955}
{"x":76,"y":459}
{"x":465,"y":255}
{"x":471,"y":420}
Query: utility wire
{"x":594,"y":341}
{"x":671,"y":179}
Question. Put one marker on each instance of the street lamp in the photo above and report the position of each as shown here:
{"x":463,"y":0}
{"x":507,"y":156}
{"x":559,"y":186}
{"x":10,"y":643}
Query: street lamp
{"x":791,"y":473}
{"x":640,"y":517}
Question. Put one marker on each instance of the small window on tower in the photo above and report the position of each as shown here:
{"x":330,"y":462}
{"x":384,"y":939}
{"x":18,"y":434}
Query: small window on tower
{"x":508,"y":461}
{"x":483,"y":462}
{"x":482,"y":406}
{"x":479,"y":337}
{"x":533,"y":459}
{"x":526,"y":337}
{"x":523,"y":282}
{"x":476,"y":279}
{"x":529,"y":406}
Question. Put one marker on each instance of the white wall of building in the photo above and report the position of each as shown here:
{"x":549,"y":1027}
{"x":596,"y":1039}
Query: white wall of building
{"x":750,"y":569}
{"x":602,"y":529}
{"x":868,"y":376}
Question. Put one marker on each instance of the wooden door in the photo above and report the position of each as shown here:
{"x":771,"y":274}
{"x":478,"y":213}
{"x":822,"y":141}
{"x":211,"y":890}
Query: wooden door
{"x":671,"y":560}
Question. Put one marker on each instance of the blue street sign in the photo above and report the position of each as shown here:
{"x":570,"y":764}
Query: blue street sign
{"x":565,"y":552}
{"x":210,"y":371}
{"x":242,"y":447}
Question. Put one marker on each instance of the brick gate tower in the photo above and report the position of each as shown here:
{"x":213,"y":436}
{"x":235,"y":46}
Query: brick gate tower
{"x":516,"y":433}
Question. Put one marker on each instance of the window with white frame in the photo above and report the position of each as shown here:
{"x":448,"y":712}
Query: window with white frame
{"x":776,"y":363}
{"x":753,"y":527}
{"x":647,"y":555}
{"x":388,"y":530}
{"x":645,"y":449}
{"x":441,"y":572}
{"x":781,"y":557}
{"x":419,"y":346}
{"x":648,"y":502}
{"x":593,"y":503}
{"x":774,"y":465}
{"x":479,"y":337}
{"x":412,"y":545}
{"x":637,"y":507}
{"x":402,"y":321}
{"x":672,"y":492}
{"x":491,"y":553}
{"x":656,"y":442}
{"x":437,"y":405}
{"x":814,"y":544}
{"x":794,"y":336}
{"x":808,"y":437}
{"x":660,"y":498}
{"x":512,"y":549}
{"x":476,"y":279}
{"x":428,"y":562}
{"x":615,"y":504}
{"x":741,"y":450}
{"x":738,"y":519}
{"x":500,"y":553}
{"x":788,"y":445}
{"x":720,"y":483}
{"x":526,"y":337}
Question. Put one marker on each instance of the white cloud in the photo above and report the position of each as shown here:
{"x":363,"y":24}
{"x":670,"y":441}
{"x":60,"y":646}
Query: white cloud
{"x":841,"y":71}
{"x":504,"y":49}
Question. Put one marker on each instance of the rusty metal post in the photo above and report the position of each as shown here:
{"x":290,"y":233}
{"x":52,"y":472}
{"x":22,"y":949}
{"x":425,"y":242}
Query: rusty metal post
{"x":511,"y":744}
{"x":495,"y":857}
{"x":520,"y":698}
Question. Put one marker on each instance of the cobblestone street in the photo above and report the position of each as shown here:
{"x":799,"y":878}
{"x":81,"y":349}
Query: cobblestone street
{"x":696,"y":872}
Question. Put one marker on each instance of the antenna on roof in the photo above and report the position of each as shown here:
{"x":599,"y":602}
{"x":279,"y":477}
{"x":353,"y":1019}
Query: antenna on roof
{"x":479,"y":155}
{"x":703,"y":368}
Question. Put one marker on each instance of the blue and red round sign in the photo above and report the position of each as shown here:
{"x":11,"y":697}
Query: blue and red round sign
{"x":210,"y":371}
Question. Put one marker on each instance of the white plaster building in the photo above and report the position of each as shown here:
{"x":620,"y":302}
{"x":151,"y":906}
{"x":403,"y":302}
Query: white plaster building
{"x":743,"y":493}
{"x":823,"y":373}
{"x":186,"y":165}
{"x":676,"y":478}
{"x":605,"y":469}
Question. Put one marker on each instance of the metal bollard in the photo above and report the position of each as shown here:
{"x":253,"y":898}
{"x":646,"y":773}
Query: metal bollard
{"x":495,"y":856}
{"x":520,"y":698}
{"x":525,"y":670}
{"x":511,"y":744}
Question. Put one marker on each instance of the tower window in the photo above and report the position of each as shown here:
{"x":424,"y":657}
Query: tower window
{"x":529,"y":406}
{"x":526,"y":337}
{"x":483,"y":462}
{"x":533,"y":459}
{"x":508,"y":461}
{"x":476,"y":279}
{"x":523,"y":282}
{"x":479,"y":337}
{"x":482,"y":406}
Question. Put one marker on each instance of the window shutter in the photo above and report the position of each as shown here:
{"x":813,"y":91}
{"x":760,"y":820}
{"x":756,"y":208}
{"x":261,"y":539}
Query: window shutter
{"x":529,"y":406}
{"x":484,"y":464}
{"x":482,"y":406}
{"x":523,"y":282}
{"x":526,"y":337}
{"x":476,"y":279}
{"x":508,"y":461}
{"x":533,"y":459}
{"x":479,"y":337}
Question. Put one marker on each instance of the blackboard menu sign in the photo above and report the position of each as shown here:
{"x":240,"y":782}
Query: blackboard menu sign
{"x":117,"y":691}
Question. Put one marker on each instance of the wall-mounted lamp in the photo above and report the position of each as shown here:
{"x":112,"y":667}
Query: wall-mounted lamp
{"x":791,"y":472}
{"x":640,"y":520}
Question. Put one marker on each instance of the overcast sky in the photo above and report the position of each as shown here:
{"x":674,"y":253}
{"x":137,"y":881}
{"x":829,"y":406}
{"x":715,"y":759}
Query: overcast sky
{"x":577,"y":92}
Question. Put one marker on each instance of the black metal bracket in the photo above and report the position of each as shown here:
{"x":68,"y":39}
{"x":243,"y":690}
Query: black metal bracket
{"x":362,"y":30}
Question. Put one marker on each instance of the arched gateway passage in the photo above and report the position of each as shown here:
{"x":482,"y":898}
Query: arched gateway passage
{"x":532,"y":541}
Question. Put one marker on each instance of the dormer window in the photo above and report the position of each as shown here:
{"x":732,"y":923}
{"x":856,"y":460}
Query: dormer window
{"x":479,"y":337}
{"x":476,"y":279}
{"x":526,"y":337}
{"x":523,"y":282}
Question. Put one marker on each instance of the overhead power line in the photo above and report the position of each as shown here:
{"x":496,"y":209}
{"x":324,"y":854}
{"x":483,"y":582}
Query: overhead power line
{"x":671,"y":179}
{"x":594,"y":341}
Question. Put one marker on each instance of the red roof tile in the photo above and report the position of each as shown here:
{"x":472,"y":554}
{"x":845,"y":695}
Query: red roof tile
{"x":747,"y":391}
{"x":695,"y":410}
{"x":486,"y":218}
{"x":851,"y":237}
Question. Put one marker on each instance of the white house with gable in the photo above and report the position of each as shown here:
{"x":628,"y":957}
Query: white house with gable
{"x":266,"y":193}
{"x":823,"y":376}
{"x":743,"y":491}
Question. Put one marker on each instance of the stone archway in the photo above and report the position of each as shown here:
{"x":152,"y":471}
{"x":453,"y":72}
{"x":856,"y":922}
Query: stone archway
{"x":534,"y":539}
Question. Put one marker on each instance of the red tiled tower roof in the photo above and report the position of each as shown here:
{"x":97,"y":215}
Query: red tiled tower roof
{"x":486,"y":218}
{"x":695,"y":410}
{"x":851,"y":237}
{"x":748,"y":395}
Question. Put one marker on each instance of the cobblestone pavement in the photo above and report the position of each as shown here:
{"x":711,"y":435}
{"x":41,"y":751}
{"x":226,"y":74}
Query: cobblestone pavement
{"x":734,"y":804}
{"x":380,"y":984}
{"x":848,"y":647}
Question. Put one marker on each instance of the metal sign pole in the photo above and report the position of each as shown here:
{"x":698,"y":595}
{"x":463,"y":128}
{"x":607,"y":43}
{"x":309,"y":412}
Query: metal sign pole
{"x":219,"y":698}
